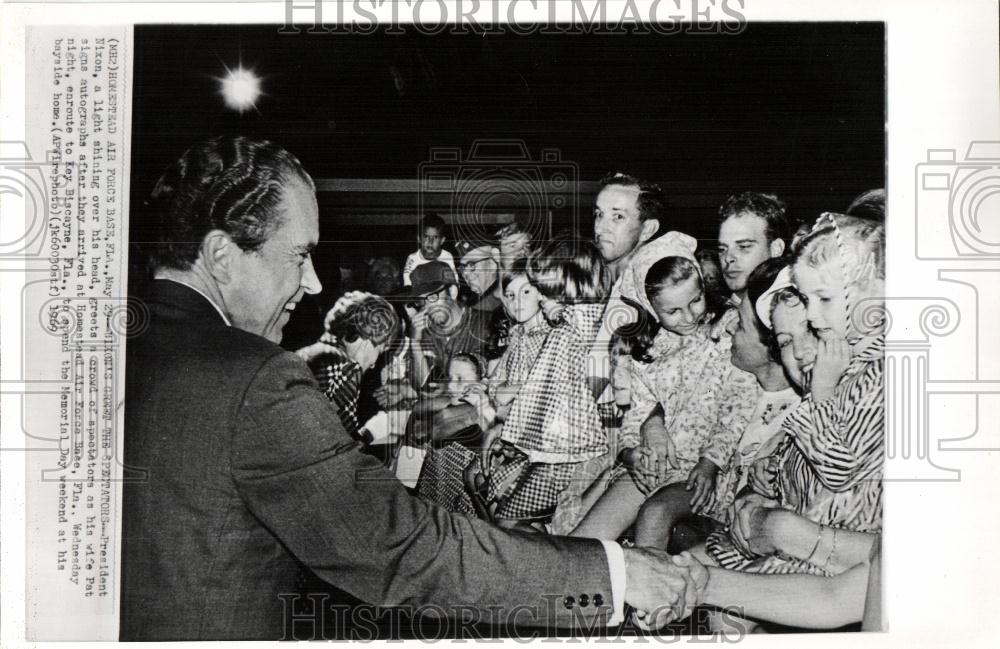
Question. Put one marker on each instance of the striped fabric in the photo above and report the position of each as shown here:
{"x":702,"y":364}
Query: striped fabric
{"x":831,"y":462}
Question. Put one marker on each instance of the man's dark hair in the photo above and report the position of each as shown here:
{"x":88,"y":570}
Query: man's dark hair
{"x":758,"y":282}
{"x":651,"y":201}
{"x":869,"y":205}
{"x":431,"y":220}
{"x":233,"y":184}
{"x":767,"y":206}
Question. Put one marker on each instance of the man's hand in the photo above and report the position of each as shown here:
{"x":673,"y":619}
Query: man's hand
{"x":699,"y":576}
{"x":701,"y":482}
{"x":322,"y":346}
{"x":418,"y":323}
{"x":832,"y":356}
{"x":660,"y":590}
{"x":750,"y":527}
{"x":394,"y":392}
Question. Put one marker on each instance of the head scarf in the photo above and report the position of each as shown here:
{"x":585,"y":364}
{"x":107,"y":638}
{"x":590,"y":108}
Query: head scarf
{"x":763,"y":304}
{"x":671,"y":244}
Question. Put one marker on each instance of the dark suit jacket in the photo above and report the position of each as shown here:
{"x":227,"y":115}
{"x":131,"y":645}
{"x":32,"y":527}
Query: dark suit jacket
{"x":249,"y":468}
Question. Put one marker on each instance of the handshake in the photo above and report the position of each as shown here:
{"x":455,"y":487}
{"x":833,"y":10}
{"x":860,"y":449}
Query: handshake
{"x":662,"y":588}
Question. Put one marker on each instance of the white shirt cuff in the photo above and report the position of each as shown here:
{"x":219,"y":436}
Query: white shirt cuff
{"x":616,"y":567}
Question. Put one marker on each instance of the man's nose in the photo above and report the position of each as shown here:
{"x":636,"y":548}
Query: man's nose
{"x":310,"y":280}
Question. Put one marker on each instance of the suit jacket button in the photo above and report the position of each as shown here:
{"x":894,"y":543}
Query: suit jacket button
{"x":584,"y":600}
{"x":598,"y":600}
{"x":569,"y":601}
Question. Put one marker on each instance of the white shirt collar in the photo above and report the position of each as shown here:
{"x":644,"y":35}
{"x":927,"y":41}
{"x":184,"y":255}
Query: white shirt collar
{"x":201,"y":293}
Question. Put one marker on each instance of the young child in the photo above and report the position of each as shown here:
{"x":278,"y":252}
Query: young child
{"x":832,"y":459}
{"x":430,"y":242}
{"x":552,"y":425}
{"x":441,"y":475}
{"x":705,"y":402}
{"x":839,"y":428}
{"x":523,"y":304}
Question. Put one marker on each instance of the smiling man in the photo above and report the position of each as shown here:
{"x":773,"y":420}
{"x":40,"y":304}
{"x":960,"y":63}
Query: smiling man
{"x":753,"y":227}
{"x":247,"y":469}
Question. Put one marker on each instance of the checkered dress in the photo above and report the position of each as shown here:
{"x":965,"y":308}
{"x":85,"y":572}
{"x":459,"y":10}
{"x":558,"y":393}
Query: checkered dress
{"x":554,"y":417}
{"x":441,"y":478}
{"x":340,"y":379}
{"x":553,"y":424}
{"x":525,"y":490}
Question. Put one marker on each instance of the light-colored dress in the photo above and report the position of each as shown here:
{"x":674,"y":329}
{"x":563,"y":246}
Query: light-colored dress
{"x":765,"y":423}
{"x":706,"y":401}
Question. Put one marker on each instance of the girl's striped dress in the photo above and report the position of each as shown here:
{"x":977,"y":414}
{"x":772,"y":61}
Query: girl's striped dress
{"x":831,"y":461}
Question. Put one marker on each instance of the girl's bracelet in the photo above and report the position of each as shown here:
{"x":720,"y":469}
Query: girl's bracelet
{"x":833,"y":550}
{"x":819,"y":537}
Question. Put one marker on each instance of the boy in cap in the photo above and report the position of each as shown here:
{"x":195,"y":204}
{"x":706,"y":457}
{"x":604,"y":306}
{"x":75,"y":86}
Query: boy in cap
{"x":439,"y":326}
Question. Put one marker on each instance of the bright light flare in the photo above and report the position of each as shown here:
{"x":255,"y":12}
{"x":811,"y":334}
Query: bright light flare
{"x":240,"y":89}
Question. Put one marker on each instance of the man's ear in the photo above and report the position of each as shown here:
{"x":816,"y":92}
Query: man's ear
{"x":777,"y":247}
{"x":218,"y":255}
{"x":649,"y":228}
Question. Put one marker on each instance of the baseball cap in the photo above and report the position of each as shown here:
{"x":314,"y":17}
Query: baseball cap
{"x":469,"y":251}
{"x":430,"y":278}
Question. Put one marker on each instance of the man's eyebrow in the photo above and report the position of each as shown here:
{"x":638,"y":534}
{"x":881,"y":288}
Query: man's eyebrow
{"x":306,"y":249}
{"x":751,"y":240}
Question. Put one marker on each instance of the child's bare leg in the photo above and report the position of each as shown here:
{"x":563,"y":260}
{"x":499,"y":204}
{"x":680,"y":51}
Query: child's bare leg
{"x":660,"y":513}
{"x":612,"y":514}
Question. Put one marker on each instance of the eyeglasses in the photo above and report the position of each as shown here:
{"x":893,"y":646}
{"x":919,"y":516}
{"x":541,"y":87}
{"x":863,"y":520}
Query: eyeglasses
{"x":471,"y":265}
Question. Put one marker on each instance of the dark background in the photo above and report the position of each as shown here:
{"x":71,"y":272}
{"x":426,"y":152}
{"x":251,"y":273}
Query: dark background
{"x":793,"y":108}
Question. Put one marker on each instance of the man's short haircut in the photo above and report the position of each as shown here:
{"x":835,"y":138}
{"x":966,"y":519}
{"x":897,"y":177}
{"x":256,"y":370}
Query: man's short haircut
{"x":651,"y":201}
{"x":869,"y":205}
{"x":767,"y":206}
{"x":431,"y":220}
{"x":233,"y":184}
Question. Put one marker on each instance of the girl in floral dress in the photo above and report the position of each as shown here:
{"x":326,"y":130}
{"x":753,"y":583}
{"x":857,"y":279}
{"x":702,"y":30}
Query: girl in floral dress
{"x":705,"y":400}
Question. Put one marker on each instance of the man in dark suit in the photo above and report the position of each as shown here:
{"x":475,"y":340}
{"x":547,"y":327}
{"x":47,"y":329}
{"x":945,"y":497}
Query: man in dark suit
{"x":247,"y":467}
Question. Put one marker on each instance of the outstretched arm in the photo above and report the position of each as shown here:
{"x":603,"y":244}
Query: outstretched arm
{"x":805,"y":601}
